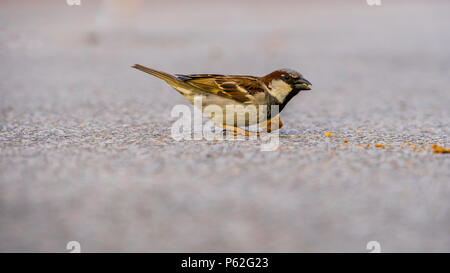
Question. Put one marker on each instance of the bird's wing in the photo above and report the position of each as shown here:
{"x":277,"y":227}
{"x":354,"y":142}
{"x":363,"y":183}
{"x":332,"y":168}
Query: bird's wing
{"x":239,"y":88}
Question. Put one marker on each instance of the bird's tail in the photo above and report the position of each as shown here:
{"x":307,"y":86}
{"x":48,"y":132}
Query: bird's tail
{"x":170,"y":79}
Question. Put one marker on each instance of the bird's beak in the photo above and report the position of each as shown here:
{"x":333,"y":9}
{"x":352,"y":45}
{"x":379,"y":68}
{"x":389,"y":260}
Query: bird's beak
{"x":302,"y":84}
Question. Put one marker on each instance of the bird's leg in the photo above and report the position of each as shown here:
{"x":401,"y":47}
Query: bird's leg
{"x":239,"y":131}
{"x":272,"y":124}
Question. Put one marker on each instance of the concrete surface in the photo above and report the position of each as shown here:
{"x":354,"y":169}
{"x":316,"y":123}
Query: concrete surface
{"x":86,"y":152}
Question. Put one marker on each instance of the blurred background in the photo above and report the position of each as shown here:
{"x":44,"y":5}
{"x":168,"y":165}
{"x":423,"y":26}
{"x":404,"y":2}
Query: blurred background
{"x":86,"y":152}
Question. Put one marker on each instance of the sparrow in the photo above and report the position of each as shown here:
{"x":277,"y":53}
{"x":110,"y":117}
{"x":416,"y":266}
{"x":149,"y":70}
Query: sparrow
{"x":274,"y":89}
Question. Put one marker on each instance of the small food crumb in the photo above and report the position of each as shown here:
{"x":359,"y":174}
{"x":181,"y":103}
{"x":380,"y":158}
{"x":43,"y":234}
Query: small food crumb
{"x":439,"y":150}
{"x":299,"y":136}
{"x":379,"y":146}
{"x":328,"y":134}
{"x":346,"y":141}
{"x":358,"y":132}
{"x":368,"y":145}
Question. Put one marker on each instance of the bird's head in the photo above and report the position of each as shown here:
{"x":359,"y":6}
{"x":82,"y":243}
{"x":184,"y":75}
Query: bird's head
{"x":284,"y":84}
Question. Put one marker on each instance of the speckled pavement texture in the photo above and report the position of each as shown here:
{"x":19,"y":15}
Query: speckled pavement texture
{"x":86,"y":153}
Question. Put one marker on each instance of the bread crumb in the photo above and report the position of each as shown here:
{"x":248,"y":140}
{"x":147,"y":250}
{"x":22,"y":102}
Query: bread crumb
{"x":439,"y":150}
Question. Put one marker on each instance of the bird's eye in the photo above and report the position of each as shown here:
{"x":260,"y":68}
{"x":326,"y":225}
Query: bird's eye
{"x":286,"y":76}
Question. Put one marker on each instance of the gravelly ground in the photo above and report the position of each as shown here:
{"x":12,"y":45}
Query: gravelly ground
{"x":86,"y":152}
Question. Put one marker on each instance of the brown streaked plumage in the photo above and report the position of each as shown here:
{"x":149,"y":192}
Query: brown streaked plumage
{"x":276,"y":88}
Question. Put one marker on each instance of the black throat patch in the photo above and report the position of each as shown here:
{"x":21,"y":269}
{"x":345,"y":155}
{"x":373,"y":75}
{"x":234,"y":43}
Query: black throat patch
{"x":273,"y":101}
